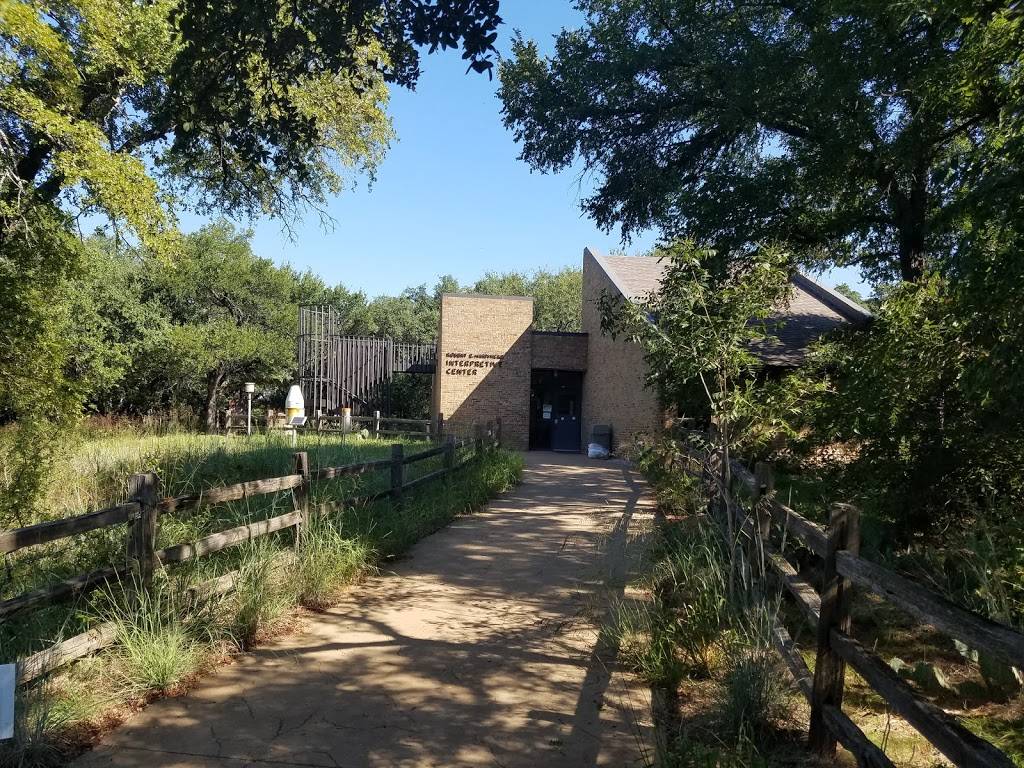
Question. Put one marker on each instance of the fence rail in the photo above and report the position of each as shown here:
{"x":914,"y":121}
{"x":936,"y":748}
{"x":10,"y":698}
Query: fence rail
{"x":756,"y":517}
{"x":144,"y":509}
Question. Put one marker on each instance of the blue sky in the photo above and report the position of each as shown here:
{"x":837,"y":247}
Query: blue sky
{"x":451,"y":197}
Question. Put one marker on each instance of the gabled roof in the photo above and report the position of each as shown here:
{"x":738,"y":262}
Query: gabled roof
{"x":812,"y":311}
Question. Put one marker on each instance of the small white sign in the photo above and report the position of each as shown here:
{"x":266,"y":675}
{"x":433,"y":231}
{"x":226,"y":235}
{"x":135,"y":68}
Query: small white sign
{"x":6,"y":701}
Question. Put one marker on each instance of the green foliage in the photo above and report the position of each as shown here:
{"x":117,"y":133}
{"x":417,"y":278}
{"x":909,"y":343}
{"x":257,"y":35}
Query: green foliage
{"x":704,"y":330}
{"x":980,"y":566}
{"x":557,"y":296}
{"x":231,"y":317}
{"x":930,"y":395}
{"x":131,"y":111}
{"x":263,"y":593}
{"x":158,"y":643}
{"x":259,"y":120}
{"x":326,"y":561}
{"x":853,"y":132}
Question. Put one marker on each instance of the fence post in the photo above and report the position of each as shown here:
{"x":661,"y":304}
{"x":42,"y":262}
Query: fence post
{"x":478,"y":439}
{"x":764,"y":485}
{"x":449,"y":456}
{"x":144,"y":488}
{"x":397,"y":472}
{"x":497,"y":439}
{"x":836,"y":593}
{"x":300,"y":495}
{"x":764,"y":475}
{"x":376,"y":424}
{"x":440,"y":426}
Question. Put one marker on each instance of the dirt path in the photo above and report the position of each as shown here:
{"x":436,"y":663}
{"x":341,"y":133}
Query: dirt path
{"x":479,"y":649}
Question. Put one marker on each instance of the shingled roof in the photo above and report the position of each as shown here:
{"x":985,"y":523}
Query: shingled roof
{"x":812,"y":310}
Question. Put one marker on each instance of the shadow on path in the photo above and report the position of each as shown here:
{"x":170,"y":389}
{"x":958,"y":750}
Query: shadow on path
{"x":482,"y":648}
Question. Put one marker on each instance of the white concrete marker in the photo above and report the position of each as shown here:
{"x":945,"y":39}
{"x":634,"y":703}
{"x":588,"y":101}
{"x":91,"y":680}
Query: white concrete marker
{"x":6,"y":701}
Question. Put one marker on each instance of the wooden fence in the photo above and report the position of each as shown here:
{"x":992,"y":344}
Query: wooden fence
{"x":381,"y":426}
{"x":143,"y":510}
{"x":757,"y":521}
{"x":376,"y":425}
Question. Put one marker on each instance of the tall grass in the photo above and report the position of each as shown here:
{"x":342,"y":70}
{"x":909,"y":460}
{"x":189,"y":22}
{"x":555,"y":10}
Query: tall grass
{"x":160,"y":633}
{"x":327,"y":561}
{"x":677,"y":632}
{"x":698,"y":630}
{"x":96,"y":475}
{"x":166,"y":634}
{"x":263,"y":593}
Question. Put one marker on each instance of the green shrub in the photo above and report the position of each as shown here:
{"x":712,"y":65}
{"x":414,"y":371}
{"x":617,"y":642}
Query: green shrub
{"x":159,"y":637}
{"x":646,"y":636}
{"x":326,"y":561}
{"x":262,"y":594}
{"x":37,"y":723}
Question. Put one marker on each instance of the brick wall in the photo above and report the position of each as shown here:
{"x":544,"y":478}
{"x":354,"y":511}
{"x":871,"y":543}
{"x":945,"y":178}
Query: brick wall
{"x":614,"y":390}
{"x":561,"y":351}
{"x":483,"y":364}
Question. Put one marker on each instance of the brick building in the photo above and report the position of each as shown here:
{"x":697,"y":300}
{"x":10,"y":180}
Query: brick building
{"x":551,"y":389}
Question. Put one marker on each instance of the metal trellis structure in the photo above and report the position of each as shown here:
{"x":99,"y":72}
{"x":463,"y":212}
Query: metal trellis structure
{"x":339,"y":371}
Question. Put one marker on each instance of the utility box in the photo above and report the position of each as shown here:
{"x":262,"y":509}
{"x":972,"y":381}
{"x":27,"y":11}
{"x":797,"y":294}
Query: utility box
{"x":602,"y":435}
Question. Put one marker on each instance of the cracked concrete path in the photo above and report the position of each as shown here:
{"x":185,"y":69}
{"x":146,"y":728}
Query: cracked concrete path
{"x":482,"y":648}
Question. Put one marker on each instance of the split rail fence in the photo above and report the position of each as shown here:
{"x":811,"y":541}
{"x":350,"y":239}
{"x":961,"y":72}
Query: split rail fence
{"x":755,"y":523}
{"x":145,"y":506}
{"x":377,"y":425}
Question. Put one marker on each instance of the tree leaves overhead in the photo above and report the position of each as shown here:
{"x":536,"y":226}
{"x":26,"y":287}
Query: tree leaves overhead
{"x":855,"y":130}
{"x":248,"y":106}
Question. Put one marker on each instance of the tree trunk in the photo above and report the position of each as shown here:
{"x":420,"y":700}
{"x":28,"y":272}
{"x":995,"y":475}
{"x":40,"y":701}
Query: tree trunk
{"x":912,"y":252}
{"x":213,"y":382}
{"x":912,"y":225}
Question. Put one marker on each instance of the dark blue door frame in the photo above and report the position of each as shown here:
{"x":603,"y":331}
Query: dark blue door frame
{"x":556,"y":410}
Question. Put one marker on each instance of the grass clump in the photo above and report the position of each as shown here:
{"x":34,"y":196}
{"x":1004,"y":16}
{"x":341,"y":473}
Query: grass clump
{"x":676,"y":633}
{"x":38,"y":720}
{"x":756,"y":696}
{"x":162,"y":636}
{"x":646,"y":637}
{"x":262,"y":596}
{"x":690,"y":579}
{"x":326,"y":561}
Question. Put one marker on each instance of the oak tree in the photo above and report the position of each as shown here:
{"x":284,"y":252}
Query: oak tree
{"x":865,"y":132}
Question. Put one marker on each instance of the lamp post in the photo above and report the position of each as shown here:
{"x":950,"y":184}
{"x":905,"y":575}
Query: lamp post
{"x":250,"y":387}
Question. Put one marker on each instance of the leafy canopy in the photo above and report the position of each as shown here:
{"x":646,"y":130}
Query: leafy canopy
{"x":701,"y":331}
{"x":863,"y":132}
{"x":132,"y":110}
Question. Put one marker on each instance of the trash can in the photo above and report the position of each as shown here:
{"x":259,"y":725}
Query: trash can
{"x":600,"y":444}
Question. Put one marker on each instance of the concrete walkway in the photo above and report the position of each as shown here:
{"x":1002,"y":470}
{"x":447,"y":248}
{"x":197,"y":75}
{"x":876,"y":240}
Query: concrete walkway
{"x":479,"y":649}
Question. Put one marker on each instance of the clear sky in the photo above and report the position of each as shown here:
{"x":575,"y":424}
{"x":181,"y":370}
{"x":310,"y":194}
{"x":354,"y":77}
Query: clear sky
{"x":451,"y":197}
